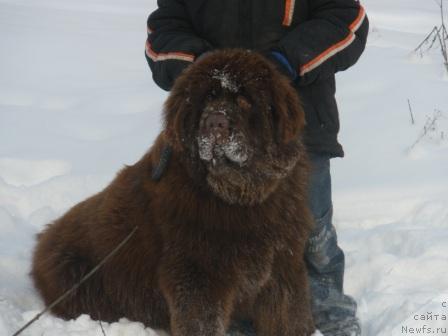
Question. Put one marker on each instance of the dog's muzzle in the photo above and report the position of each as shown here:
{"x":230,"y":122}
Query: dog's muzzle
{"x":218,"y":142}
{"x":216,"y":126}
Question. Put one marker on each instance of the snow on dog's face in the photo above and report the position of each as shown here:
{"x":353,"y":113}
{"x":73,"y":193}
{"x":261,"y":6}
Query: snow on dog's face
{"x":237,"y":122}
{"x":222,"y":138}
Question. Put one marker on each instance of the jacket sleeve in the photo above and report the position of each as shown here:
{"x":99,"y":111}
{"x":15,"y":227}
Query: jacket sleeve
{"x":172,"y":43}
{"x":330,"y":41}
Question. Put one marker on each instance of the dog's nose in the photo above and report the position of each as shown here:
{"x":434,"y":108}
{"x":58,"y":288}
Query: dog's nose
{"x":218,"y":125}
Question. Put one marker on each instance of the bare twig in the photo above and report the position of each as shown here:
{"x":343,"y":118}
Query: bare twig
{"x":410,"y":111}
{"x":444,"y":33}
{"x":430,"y":126}
{"x":443,"y":36}
{"x":438,"y":34}
{"x":442,"y":13}
{"x":76,"y":286}
{"x":443,"y":50}
{"x":102,"y":329}
{"x":426,"y":40}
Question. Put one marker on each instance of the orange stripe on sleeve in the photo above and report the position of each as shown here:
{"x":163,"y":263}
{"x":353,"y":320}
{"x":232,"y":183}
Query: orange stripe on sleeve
{"x":289,"y":11}
{"x":157,"y":57}
{"x":359,"y":20}
{"x":334,"y":49}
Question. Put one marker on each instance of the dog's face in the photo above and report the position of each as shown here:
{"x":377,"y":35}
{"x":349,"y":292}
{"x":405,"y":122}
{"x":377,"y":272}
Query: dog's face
{"x":236,"y":121}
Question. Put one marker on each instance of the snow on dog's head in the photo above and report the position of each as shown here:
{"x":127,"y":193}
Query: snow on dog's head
{"x":236,"y":122}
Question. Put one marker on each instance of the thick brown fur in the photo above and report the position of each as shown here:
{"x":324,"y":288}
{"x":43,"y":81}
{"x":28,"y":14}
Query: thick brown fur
{"x":209,"y":249}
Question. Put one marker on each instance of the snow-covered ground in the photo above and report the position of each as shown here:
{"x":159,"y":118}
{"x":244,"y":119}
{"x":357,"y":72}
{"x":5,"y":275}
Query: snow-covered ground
{"x":77,"y":103}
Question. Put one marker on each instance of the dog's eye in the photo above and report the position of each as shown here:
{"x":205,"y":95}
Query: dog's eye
{"x":243,"y":103}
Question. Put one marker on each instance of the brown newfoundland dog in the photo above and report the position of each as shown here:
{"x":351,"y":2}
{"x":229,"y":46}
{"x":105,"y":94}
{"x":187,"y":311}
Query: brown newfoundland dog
{"x":220,"y":205}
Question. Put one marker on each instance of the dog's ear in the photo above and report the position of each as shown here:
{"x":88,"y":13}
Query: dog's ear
{"x":186,"y":96}
{"x":289,"y":117}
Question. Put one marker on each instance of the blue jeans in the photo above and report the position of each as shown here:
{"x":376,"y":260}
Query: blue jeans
{"x":334,"y":312}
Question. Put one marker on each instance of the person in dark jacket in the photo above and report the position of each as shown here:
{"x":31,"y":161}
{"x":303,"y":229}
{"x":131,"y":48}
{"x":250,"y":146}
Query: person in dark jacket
{"x":309,"y":41}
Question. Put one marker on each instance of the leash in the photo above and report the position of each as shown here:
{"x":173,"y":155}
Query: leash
{"x":160,"y":168}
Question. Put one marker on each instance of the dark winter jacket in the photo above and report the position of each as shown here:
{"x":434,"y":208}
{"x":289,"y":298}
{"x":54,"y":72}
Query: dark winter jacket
{"x":318,"y":38}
